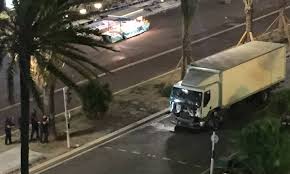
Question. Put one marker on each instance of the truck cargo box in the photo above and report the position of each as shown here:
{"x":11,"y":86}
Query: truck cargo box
{"x":241,"y":71}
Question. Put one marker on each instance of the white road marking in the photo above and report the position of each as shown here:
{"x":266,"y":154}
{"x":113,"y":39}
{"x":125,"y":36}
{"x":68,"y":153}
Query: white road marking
{"x":166,"y":159}
{"x":182,"y":162}
{"x":196,"y":165}
{"x":204,"y":172}
{"x":122,"y":150}
{"x":162,"y":53}
{"x":136,"y":152}
{"x":163,"y":127}
{"x":108,"y":147}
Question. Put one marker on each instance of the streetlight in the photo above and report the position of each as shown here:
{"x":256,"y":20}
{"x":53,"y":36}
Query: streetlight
{"x":98,"y":5}
{"x":8,"y":4}
{"x":161,"y":0}
{"x":66,"y":98}
{"x":83,"y":11}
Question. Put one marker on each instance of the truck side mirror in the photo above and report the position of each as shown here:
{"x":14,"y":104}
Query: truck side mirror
{"x":206,"y":98}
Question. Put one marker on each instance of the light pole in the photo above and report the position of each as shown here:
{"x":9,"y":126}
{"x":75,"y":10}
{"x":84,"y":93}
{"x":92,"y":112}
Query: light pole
{"x":98,"y":5}
{"x":66,"y":115}
{"x":214,"y":139}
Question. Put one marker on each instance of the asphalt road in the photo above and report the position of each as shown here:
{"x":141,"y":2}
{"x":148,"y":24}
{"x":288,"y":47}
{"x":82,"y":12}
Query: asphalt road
{"x":165,"y":34}
{"x":154,"y":149}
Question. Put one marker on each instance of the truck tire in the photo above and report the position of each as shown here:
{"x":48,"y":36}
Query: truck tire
{"x":262,"y":97}
{"x":215,"y":120}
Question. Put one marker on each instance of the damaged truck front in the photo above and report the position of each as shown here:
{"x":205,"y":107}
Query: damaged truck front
{"x":214,"y":83}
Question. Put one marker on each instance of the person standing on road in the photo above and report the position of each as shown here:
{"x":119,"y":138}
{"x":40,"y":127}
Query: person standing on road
{"x":8,"y":127}
{"x":34,"y":126}
{"x":44,"y":130}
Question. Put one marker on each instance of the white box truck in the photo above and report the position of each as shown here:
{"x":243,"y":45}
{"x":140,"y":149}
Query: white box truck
{"x":214,"y":83}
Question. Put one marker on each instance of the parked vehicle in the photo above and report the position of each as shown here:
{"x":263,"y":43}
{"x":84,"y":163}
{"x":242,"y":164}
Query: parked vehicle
{"x":117,"y":28}
{"x":211,"y":85}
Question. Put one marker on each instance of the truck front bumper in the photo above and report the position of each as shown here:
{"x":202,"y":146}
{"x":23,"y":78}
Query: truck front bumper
{"x":192,"y":123}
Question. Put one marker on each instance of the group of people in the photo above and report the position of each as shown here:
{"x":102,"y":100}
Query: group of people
{"x":39,"y":128}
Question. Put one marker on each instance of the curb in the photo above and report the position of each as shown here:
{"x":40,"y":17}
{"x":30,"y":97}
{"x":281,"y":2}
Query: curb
{"x":96,"y":142}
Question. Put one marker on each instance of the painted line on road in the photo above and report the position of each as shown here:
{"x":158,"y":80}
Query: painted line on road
{"x":108,"y":147}
{"x":182,"y":162}
{"x":228,"y":157}
{"x":166,"y":159}
{"x":122,"y":150}
{"x":136,"y":152}
{"x":197,"y":166}
{"x":97,"y":143}
{"x":162,"y":53}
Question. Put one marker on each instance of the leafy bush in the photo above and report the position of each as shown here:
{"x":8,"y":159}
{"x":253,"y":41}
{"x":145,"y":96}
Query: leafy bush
{"x":266,"y":147}
{"x":280,"y":103}
{"x":95,"y":99}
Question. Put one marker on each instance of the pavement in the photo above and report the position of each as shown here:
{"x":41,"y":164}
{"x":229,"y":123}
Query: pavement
{"x":13,"y":157}
{"x":210,"y":18}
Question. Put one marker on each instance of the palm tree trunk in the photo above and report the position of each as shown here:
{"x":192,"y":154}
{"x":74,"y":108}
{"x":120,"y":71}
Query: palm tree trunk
{"x":186,"y":47}
{"x":24,"y":65}
{"x":51,"y":106}
{"x":249,"y":22}
{"x":188,"y":9}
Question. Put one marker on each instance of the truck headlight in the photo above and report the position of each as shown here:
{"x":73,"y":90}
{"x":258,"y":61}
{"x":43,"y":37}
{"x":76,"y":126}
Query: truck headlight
{"x":171,"y":106}
{"x":178,"y":108}
{"x":198,"y":112}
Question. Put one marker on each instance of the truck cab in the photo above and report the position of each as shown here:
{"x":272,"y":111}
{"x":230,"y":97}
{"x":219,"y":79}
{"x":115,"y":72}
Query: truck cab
{"x":194,"y":98}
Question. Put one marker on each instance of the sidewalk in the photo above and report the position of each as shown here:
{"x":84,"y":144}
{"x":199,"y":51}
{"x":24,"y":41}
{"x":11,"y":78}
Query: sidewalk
{"x":10,"y":160}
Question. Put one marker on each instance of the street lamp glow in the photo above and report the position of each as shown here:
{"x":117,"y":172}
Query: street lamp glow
{"x":83,"y":11}
{"x":9,"y":4}
{"x":98,"y":5}
{"x":161,"y":0}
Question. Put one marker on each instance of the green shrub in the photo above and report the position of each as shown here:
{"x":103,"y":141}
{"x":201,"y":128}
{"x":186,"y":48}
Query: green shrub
{"x":95,"y":99}
{"x":266,"y":147}
{"x":280,"y":103}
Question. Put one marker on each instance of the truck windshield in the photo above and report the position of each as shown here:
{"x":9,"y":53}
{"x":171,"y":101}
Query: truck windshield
{"x":187,"y":95}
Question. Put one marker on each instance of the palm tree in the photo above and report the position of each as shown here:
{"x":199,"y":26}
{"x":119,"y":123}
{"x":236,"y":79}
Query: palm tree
{"x":46,"y":81}
{"x":33,"y":30}
{"x":188,"y":8}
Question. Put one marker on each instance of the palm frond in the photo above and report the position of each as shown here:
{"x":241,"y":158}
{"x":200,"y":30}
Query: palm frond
{"x":35,"y":92}
{"x":93,"y":72}
{"x":75,"y":56}
{"x":82,"y":71}
{"x":44,"y":64}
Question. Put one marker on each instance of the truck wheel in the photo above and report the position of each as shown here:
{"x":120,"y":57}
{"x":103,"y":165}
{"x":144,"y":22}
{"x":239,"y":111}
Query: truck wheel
{"x":215,"y":120}
{"x":263,"y":97}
